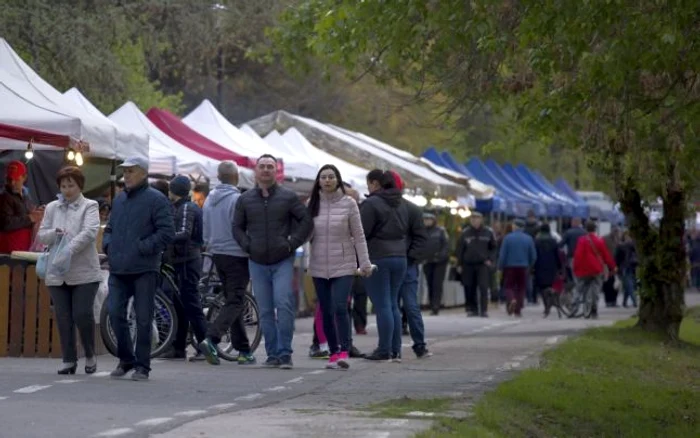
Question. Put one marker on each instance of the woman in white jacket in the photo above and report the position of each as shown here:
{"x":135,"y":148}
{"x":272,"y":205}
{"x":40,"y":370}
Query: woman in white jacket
{"x":73,"y":217}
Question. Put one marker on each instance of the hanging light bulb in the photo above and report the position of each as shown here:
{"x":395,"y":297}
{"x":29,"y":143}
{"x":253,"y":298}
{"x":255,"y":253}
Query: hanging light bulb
{"x":30,"y":151}
{"x":70,"y":155}
{"x":79,"y":159}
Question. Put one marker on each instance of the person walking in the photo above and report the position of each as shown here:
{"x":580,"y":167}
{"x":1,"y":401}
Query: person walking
{"x":270,"y":223}
{"x":612,"y":240}
{"x":385,"y":223}
{"x":337,"y":243}
{"x":77,"y":219}
{"x":186,"y":258}
{"x":140,"y":228}
{"x":476,"y":252}
{"x":592,"y":264}
{"x":518,"y":255}
{"x":568,"y":243}
{"x":435,"y":267}
{"x":548,"y":266}
{"x":231,"y":264}
{"x":627,"y":262}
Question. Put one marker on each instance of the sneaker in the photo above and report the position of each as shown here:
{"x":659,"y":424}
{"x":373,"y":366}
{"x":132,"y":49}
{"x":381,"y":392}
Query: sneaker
{"x":344,"y":360}
{"x":286,"y":362}
{"x":246,"y":359}
{"x":355,"y":353}
{"x":272,"y":362}
{"x":511,"y":307}
{"x":378,"y":357}
{"x":395,"y":358}
{"x":423,"y":353}
{"x":140,"y":375}
{"x":333,"y":362}
{"x":121,"y":370}
{"x":361,"y":331}
{"x":316,"y":353}
{"x":209,"y":351}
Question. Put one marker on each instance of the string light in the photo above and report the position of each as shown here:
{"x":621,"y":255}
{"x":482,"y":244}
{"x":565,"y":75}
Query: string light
{"x":70,"y":155}
{"x":78,"y":159}
{"x":30,"y":151}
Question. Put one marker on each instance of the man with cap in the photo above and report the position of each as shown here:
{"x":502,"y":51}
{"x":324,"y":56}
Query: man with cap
{"x":518,"y":256}
{"x":476,"y":253}
{"x":17,"y":216}
{"x":140,"y":228}
{"x":186,"y":258}
{"x":435,"y":267}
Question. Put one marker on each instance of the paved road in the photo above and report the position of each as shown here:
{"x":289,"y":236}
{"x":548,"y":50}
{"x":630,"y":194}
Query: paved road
{"x":470,"y":355}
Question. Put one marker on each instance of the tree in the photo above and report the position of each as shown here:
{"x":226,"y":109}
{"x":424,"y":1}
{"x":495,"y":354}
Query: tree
{"x":615,"y":80}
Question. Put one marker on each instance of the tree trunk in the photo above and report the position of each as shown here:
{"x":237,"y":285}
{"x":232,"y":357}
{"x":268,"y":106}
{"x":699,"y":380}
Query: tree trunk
{"x":662,"y":262}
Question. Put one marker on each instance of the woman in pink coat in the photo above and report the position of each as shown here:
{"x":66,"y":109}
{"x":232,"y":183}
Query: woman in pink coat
{"x":338,"y":242}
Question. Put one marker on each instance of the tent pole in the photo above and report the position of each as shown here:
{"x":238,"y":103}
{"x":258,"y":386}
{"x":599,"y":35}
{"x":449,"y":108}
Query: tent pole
{"x":112,"y":182}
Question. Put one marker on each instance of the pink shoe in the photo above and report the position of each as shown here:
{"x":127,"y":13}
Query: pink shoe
{"x":343,"y":360}
{"x":333,"y":362}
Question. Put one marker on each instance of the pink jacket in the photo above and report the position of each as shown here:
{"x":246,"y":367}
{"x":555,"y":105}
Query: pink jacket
{"x":338,"y":241}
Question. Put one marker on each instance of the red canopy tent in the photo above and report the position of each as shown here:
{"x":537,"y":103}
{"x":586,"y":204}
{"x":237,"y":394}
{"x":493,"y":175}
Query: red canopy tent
{"x":34,"y":136}
{"x":175,"y":128}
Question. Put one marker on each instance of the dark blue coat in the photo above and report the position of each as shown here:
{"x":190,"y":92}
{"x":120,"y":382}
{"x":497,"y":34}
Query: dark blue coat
{"x":140,"y":228}
{"x":549,"y":261}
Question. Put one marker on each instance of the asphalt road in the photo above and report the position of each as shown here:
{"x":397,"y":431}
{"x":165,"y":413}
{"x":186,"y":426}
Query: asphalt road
{"x":185,"y":399}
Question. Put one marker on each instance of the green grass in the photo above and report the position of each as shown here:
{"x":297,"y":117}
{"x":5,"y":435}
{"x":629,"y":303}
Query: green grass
{"x":609,"y":382}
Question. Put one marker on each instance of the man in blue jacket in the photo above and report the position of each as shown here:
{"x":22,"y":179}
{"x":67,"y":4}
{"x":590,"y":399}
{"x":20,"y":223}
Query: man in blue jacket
{"x":231,"y":264}
{"x":518,"y":256}
{"x":139,"y":229}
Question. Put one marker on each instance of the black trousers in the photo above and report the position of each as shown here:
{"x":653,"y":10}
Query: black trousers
{"x":189,"y":306}
{"x":72,"y":306}
{"x":359,"y":304}
{"x":476,"y":279}
{"x":435,"y":279}
{"x":234,"y":274}
{"x":609,"y":291}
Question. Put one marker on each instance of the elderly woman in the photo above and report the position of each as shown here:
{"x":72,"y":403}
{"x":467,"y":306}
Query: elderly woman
{"x":76,"y":218}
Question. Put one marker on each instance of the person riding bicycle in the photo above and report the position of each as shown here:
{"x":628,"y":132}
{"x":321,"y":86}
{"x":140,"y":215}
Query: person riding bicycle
{"x":186,"y":258}
{"x":590,"y":262}
{"x":231,"y":264}
{"x":548,"y":265}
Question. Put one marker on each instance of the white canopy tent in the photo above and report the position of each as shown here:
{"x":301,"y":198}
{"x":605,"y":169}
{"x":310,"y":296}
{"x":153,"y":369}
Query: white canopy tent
{"x":129,"y":144}
{"x":209,"y":122}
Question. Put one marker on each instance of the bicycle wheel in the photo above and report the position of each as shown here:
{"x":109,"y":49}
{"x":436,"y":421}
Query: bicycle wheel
{"x":250,"y":317}
{"x":164,"y":325}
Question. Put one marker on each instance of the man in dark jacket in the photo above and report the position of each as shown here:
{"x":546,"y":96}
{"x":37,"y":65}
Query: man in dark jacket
{"x":435,"y":267}
{"x":475,"y":256}
{"x":17,"y":215}
{"x":140,"y":228}
{"x":547,"y":267}
{"x":416,"y":239}
{"x":270,"y":223}
{"x":569,"y":241}
{"x":185,"y":256}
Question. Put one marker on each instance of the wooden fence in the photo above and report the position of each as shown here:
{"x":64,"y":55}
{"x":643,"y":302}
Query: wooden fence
{"x":27,"y":324}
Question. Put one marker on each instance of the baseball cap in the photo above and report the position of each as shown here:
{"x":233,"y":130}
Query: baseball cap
{"x":15,"y":170}
{"x":135,"y":162}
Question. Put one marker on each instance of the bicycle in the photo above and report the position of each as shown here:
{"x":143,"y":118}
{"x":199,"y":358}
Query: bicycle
{"x":574,"y":304}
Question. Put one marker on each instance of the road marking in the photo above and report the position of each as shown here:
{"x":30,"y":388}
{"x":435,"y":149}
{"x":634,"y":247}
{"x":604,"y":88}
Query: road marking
{"x":222,"y":406}
{"x":101,"y":374}
{"x":153,"y":421}
{"x":509,"y":366}
{"x":394,"y":423}
{"x":4,"y":398}
{"x":316,"y":372}
{"x":420,"y":414}
{"x":116,"y":432}
{"x":276,"y":389}
{"x":30,"y":389}
{"x":489,"y":378}
{"x":192,"y":413}
{"x":379,"y":435}
{"x":519,"y":358}
{"x":297,"y":380}
{"x":406,"y":345}
{"x":249,"y":397}
{"x":552,"y":340}
{"x":68,"y":381}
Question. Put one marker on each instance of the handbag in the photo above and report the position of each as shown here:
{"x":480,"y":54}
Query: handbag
{"x":606,"y":271}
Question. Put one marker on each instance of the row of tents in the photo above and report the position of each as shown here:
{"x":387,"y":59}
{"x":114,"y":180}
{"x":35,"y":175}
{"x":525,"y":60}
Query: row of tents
{"x":34,"y":111}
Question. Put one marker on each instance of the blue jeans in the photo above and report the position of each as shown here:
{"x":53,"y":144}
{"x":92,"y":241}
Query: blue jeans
{"x":409,"y":295}
{"x":272,"y":287}
{"x":629,"y":285}
{"x":383,"y":289}
{"x":333,"y":295}
{"x":142,"y":287}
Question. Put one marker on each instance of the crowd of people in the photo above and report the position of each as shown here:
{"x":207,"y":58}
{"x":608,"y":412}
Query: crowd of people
{"x":356,"y":251}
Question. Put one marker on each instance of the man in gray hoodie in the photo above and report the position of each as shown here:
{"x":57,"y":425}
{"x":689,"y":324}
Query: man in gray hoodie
{"x":231,"y":264}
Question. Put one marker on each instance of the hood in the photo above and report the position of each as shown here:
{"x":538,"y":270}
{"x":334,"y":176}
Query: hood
{"x":392,"y":197}
{"x":221,"y":192}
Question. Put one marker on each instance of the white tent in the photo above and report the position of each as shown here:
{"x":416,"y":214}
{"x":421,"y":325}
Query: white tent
{"x":209,"y":122}
{"x":166,"y":155}
{"x":32,"y":88}
{"x":129,"y":144}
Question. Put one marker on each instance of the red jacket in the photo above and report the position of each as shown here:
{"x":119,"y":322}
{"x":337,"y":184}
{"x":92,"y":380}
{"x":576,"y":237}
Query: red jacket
{"x":587,"y":260}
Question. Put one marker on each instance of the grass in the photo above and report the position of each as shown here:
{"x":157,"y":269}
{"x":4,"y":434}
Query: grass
{"x":609,"y":382}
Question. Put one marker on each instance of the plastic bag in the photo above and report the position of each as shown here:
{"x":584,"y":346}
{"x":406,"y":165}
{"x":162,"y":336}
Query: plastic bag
{"x":59,"y":263}
{"x":42,"y":264}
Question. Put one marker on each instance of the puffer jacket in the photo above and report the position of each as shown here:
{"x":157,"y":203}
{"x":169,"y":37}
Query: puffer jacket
{"x":338,"y":240}
{"x":385,"y":220}
{"x":80,"y":222}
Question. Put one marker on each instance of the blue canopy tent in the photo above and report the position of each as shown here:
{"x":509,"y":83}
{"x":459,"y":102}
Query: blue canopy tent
{"x":553,"y":207}
{"x":497,"y":203}
{"x":535,"y":203}
{"x":574,"y":209}
{"x":566,"y":205}
{"x":478,"y":169}
{"x":566,"y":189}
